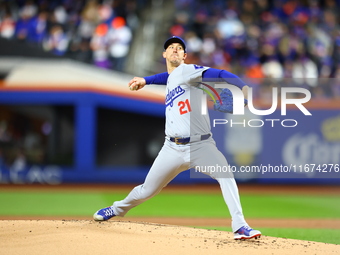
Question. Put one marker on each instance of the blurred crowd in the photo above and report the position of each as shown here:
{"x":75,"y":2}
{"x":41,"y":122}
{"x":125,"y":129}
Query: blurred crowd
{"x":91,"y":31}
{"x":292,"y":42}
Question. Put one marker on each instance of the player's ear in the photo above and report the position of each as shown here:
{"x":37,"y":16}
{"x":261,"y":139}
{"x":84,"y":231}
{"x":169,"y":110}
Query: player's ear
{"x":185,"y":56}
{"x":164,"y":56}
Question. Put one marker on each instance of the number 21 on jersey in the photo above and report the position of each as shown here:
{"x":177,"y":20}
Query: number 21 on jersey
{"x":184,"y":106}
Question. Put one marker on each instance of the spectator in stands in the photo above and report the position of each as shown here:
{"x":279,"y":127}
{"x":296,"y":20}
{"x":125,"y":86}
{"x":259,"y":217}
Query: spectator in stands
{"x":100,"y":46}
{"x":194,"y":43}
{"x":119,"y":37}
{"x":222,"y":33}
{"x":24,"y":23}
{"x":7,"y":26}
{"x":38,"y":28}
{"x":230,"y":26}
{"x":289,"y":38}
{"x":305,"y":72}
{"x":71,"y":23}
{"x":88,"y":21}
{"x":56,"y":41}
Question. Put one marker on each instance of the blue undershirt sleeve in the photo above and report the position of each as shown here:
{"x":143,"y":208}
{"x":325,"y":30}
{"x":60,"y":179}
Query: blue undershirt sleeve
{"x":230,"y":78}
{"x":160,"y":78}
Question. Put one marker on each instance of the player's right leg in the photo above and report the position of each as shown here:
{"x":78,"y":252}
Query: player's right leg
{"x":166,"y":166}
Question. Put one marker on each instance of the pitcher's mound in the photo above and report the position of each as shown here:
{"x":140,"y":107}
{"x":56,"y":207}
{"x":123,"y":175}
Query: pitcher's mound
{"x":123,"y":237}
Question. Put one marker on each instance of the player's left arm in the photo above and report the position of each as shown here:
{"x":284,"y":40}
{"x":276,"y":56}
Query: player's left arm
{"x":213,"y":73}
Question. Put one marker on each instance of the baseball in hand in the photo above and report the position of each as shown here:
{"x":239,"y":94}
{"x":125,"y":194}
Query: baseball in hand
{"x":134,"y":88}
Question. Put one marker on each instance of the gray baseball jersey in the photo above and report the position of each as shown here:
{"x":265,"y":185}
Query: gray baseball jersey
{"x":183,"y":119}
{"x":184,"y":101}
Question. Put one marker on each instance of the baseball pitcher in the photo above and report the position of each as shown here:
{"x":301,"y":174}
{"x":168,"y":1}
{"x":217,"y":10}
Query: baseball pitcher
{"x":188,"y":138}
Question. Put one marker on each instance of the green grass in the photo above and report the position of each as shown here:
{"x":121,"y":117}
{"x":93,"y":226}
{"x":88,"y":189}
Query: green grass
{"x":291,"y":206}
{"x":254,"y":206}
{"x":49,"y":204}
{"x":169,"y":205}
{"x":316,"y":235}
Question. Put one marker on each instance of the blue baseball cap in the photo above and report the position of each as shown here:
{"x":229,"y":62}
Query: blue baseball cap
{"x":175,"y":39}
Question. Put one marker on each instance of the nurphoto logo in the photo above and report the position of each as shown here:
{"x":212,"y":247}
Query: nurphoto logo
{"x":238,"y":105}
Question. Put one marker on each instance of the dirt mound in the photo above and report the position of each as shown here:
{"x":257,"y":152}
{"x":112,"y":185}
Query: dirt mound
{"x":124,"y":237}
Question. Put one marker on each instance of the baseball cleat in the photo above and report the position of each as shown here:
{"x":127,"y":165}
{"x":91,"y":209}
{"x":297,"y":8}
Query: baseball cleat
{"x":246,"y":232}
{"x":104,"y":214}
